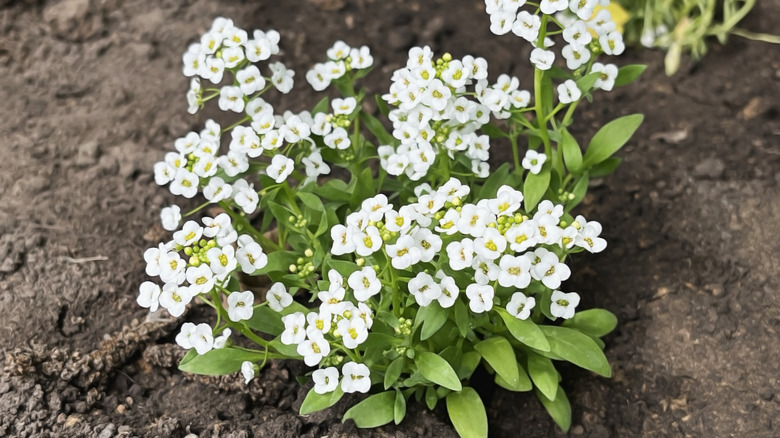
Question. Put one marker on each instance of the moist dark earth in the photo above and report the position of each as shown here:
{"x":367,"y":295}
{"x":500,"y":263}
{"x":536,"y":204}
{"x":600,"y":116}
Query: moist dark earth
{"x":93,"y":96}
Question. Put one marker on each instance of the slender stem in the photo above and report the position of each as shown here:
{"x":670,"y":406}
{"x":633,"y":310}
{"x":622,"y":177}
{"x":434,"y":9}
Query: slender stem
{"x":515,"y":152}
{"x":196,"y":209}
{"x":541,"y":117}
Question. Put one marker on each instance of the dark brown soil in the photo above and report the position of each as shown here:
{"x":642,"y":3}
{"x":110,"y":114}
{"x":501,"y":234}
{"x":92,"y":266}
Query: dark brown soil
{"x":94,"y":96}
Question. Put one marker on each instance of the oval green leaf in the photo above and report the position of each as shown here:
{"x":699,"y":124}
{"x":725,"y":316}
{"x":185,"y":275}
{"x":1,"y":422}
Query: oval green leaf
{"x":217,"y":362}
{"x":316,"y":402}
{"x":578,"y":348}
{"x":467,"y":413}
{"x":595,"y":322}
{"x":437,"y":370}
{"x":374,"y":411}
{"x":498,"y":352}
{"x":572,"y":154}
{"x":543,"y":374}
{"x":610,"y":138}
{"x":524,"y":331}
{"x":559,"y":408}
{"x":534,"y":188}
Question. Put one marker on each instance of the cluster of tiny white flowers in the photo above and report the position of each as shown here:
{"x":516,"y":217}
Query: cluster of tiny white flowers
{"x":435,"y":114}
{"x":586,"y":33}
{"x":341,"y":59}
{"x":493,"y":241}
{"x":213,"y":252}
{"x":226,"y":47}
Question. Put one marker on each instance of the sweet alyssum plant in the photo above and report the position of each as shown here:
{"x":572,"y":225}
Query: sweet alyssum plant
{"x":395,"y":262}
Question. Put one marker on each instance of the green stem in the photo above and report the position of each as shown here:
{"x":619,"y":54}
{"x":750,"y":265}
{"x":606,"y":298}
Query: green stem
{"x":541,"y":117}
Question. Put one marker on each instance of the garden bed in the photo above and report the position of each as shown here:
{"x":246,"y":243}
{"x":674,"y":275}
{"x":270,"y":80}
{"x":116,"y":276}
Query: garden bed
{"x":94,"y":96}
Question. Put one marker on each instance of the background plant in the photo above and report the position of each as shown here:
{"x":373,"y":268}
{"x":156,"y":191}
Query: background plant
{"x":421,"y":264}
{"x":684,"y":26}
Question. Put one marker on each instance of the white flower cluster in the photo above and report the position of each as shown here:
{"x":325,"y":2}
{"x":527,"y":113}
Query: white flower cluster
{"x":341,"y":59}
{"x":586,"y":33}
{"x":493,"y":242}
{"x":226,"y":47}
{"x":436,"y":116}
{"x":212,"y":260}
{"x":357,"y":377}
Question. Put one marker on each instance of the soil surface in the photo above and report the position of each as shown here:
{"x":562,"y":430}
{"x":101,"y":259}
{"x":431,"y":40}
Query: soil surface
{"x":94,"y":96}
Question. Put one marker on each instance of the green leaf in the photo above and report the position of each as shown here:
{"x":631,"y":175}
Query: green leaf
{"x":287,"y":350}
{"x":524,"y":331}
{"x":311,"y":200}
{"x":534,"y":188}
{"x":572,"y":154}
{"x":579,"y":191}
{"x":316,"y":402}
{"x":467,"y":413}
{"x":523,"y":382}
{"x":217,"y":362}
{"x":343,"y":267}
{"x":432,"y":317}
{"x":267,"y":320}
{"x":595,"y":322}
{"x":376,"y":128}
{"x":492,"y":131}
{"x":437,"y":370}
{"x":498,"y":352}
{"x":393,"y":371}
{"x":628,"y":74}
{"x":559,"y":409}
{"x":374,"y":411}
{"x":610,"y":138}
{"x":381,"y":105}
{"x":431,"y":398}
{"x":586,"y":82}
{"x":544,"y":374}
{"x":496,"y":180}
{"x":322,"y":106}
{"x":364,"y":186}
{"x":578,"y":348}
{"x":334,"y":190}
{"x":399,"y":408}
{"x":606,"y":167}
{"x":468,"y":363}
{"x":278,"y":261}
{"x":462,"y":319}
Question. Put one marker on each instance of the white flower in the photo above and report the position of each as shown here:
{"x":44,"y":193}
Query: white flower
{"x":376,"y":207}
{"x":424,"y":289}
{"x":294,"y":332}
{"x":250,"y":80}
{"x":550,"y":271}
{"x":240,"y":305}
{"x":563,"y":304}
{"x":474,"y":220}
{"x":612,"y":43}
{"x":404,"y":252}
{"x":340,"y":50}
{"x":332,"y":299}
{"x":248,"y":371}
{"x":507,"y":201}
{"x":344,"y":106}
{"x":295,"y":130}
{"x":568,"y":92}
{"x":183,"y":337}
{"x":185,"y":183}
{"x":282,"y":78}
{"x":356,"y":378}
{"x":149,"y":295}
{"x":198,"y":337}
{"x":588,"y":238}
{"x":277,"y":297}
{"x":364,"y":283}
{"x":212,"y":69}
{"x":550,"y":7}
{"x":152,"y":257}
{"x":353,"y":331}
{"x":490,"y":245}
{"x":172,"y":268}
{"x":245,"y":196}
{"x":201,"y":279}
{"x":606,"y":80}
{"x":318,"y":77}
{"x":367,"y":242}
{"x":232,"y":56}
{"x":231,"y":99}
{"x":217,"y":190}
{"x":533,"y":161}
{"x":251,"y":258}
{"x":501,"y":22}
{"x":325,"y":380}
{"x":189,"y":234}
{"x":319,"y":322}
{"x":361,"y":58}
{"x":163,"y":173}
{"x":546,"y":207}
{"x":602,"y":23}
{"x":480,"y":297}
{"x":461,"y":254}
{"x":221,"y":340}
{"x":170,"y":217}
{"x":314,"y":348}
{"x":428,"y":242}
{"x":583,"y":8}
{"x":577,"y":34}
{"x":233,"y":36}
{"x":542,"y":59}
{"x":527,"y":26}
{"x":520,"y":306}
{"x":233,"y":163}
{"x":342,"y":237}
{"x":522,"y":236}
{"x":222,"y":261}
{"x":193,"y":63}
{"x":575,"y":55}
{"x":337,"y":139}
{"x":280,"y":168}
{"x":449,"y":290}
{"x":515,"y":271}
